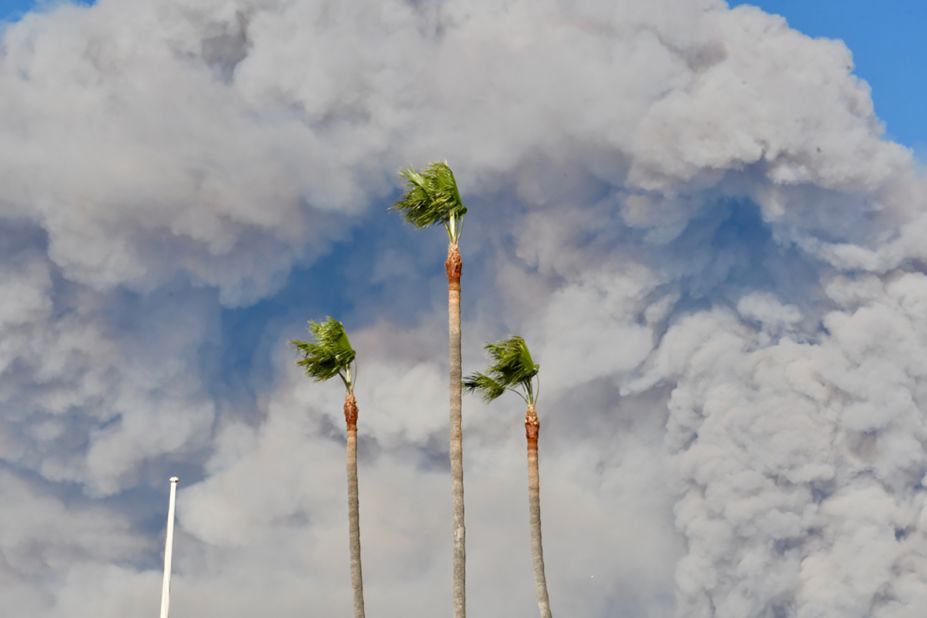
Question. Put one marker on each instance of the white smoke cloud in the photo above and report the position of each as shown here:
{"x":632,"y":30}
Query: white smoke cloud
{"x":688,"y":210}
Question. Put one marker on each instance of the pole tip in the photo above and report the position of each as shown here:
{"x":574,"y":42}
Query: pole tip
{"x":175,"y":479}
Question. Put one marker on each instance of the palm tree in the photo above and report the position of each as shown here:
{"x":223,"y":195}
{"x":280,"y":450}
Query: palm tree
{"x":328,"y":356}
{"x":514,"y":370}
{"x":432,"y":198}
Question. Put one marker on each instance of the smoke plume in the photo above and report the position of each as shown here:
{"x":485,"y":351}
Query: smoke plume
{"x":689,"y":211}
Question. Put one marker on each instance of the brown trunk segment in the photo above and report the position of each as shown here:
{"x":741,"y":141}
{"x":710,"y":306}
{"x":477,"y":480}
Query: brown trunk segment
{"x":453,"y":265}
{"x":350,"y":411}
{"x":532,"y":432}
{"x":357,"y":579}
{"x":532,"y":426}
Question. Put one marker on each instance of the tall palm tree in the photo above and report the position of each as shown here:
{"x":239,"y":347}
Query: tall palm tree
{"x":432,"y":198}
{"x":330,"y":355}
{"x":514,"y":370}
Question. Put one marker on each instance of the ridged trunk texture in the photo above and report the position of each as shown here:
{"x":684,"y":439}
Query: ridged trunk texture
{"x":532,"y":431}
{"x":454,"y":265}
{"x":357,"y":579}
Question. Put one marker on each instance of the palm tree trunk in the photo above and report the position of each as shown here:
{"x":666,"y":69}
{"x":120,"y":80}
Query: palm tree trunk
{"x":532,"y":431}
{"x":357,"y":580}
{"x":453,"y":265}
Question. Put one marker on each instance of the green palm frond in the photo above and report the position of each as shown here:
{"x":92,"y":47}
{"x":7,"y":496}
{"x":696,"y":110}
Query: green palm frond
{"x":432,"y":198}
{"x":481,"y":383}
{"x":513,"y":363}
{"x":512,"y":367}
{"x":329,"y":355}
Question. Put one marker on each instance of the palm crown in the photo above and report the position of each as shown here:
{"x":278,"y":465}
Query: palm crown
{"x":432,"y":198}
{"x":329,"y":355}
{"x":512,"y":367}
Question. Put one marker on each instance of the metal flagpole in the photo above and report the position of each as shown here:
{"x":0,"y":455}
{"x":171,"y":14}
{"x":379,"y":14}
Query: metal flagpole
{"x":168,"y":548}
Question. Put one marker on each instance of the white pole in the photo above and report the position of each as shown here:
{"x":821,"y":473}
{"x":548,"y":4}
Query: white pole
{"x":168,"y":548}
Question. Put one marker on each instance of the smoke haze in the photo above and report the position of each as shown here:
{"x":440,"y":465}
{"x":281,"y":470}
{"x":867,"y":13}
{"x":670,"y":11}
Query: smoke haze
{"x":689,"y":211}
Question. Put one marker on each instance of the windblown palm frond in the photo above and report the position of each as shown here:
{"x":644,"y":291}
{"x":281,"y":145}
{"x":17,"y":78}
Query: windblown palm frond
{"x":329,"y":355}
{"x":432,"y":198}
{"x":481,"y":383}
{"x":512,"y":367}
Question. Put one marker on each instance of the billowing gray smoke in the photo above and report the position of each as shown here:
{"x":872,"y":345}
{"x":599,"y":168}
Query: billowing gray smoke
{"x":688,"y":210}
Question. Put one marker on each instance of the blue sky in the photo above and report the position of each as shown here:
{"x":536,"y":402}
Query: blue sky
{"x":13,"y":9}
